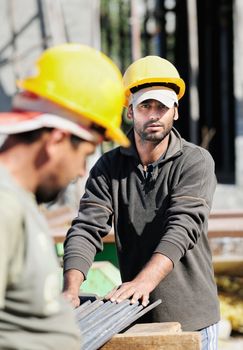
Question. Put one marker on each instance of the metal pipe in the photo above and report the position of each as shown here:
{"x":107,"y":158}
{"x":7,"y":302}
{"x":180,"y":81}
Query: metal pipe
{"x":116,"y":308}
{"x":90,"y":318}
{"x":82,"y":307}
{"x":108,"y":319}
{"x":141,"y":313}
{"x":90,"y":308}
{"x":101,"y":334}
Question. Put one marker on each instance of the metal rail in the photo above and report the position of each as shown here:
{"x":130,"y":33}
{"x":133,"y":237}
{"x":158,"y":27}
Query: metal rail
{"x":98,"y":321}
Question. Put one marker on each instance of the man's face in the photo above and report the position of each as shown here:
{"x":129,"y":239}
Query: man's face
{"x":152,"y":120}
{"x":67,"y":163}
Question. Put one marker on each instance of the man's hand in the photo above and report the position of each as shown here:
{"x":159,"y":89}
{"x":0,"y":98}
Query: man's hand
{"x":72,"y":282}
{"x":158,"y":267}
{"x":72,"y":298}
{"x":134,"y":290}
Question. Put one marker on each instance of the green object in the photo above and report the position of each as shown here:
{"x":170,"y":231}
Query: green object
{"x":108,"y":254}
{"x":59,"y":249}
{"x":103,"y":275}
{"x":101,"y":279}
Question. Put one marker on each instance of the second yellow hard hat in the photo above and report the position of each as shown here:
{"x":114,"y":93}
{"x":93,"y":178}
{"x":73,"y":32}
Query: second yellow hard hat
{"x":152,"y":69}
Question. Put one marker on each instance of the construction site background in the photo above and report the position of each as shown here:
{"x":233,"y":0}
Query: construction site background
{"x":203,"y":38}
{"x":186,"y":32}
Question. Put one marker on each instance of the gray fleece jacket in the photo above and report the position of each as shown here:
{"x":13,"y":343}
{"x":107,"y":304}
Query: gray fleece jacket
{"x":164,"y":210}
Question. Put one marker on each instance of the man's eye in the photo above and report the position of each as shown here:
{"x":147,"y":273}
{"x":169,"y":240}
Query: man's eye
{"x":163,"y":108}
{"x":145,"y":105}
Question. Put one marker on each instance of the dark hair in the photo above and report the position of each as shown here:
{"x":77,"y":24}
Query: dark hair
{"x":29,"y":137}
{"x":144,"y":86}
{"x":98,"y":128}
{"x":75,"y":140}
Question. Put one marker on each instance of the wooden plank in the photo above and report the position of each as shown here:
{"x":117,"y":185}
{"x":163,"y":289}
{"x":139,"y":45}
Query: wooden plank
{"x":225,"y":227}
{"x":221,"y":224}
{"x":217,"y":214}
{"x":229,"y":266}
{"x":167,"y":327}
{"x":224,"y":233}
{"x":150,"y":341}
{"x":59,"y":234}
{"x":155,"y":336}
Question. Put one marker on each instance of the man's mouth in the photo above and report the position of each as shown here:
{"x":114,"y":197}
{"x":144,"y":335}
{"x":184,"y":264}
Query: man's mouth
{"x":154,"y":125}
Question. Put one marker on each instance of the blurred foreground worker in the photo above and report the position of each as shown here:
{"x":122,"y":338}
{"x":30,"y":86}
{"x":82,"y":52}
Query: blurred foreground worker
{"x":159,"y":194}
{"x":71,"y":104}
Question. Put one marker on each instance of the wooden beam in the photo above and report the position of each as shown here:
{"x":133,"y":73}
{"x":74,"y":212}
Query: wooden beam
{"x":155,"y":336}
{"x":167,"y":327}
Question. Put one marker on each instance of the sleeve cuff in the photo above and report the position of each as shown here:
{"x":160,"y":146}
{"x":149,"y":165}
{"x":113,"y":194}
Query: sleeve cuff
{"x":77,"y":264}
{"x":170,"y":250}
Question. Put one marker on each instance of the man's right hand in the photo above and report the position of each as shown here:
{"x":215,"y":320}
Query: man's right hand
{"x":72,"y":298}
{"x":72,"y":282}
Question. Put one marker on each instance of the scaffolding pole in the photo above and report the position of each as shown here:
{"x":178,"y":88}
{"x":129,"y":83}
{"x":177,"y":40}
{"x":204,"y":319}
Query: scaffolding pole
{"x":194,"y":68}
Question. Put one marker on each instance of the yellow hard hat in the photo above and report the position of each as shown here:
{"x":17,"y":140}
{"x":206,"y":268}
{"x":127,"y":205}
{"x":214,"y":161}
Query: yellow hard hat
{"x":152,"y":69}
{"x":83,"y":80}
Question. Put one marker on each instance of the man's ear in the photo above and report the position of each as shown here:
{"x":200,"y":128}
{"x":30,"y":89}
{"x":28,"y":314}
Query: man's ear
{"x":176,"y":114}
{"x":56,"y":139}
{"x":52,"y":145}
{"x":130,"y":112}
{"x":58,"y":135}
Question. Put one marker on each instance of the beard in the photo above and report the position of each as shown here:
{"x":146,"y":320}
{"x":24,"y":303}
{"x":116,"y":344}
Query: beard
{"x":46,"y":195}
{"x":154,"y":136}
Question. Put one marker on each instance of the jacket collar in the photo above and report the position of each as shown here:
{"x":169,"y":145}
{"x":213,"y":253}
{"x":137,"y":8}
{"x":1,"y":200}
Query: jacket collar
{"x":174,"y":148}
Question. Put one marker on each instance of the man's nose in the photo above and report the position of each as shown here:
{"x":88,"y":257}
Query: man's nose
{"x":154,"y":115}
{"x":81,"y":171}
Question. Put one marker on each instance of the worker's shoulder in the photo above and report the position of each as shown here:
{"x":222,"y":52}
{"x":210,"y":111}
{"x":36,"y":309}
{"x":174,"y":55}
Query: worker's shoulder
{"x":110,"y":156}
{"x":195,"y":152}
{"x":11,"y":219}
{"x":9,"y":202}
{"x":111,"y":153}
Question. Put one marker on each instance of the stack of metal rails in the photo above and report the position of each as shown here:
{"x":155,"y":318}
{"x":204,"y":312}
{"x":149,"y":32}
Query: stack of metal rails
{"x":101,"y":319}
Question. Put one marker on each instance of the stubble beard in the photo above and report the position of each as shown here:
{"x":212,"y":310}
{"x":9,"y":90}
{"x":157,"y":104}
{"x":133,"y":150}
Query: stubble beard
{"x":47,"y":195}
{"x":155,"y":137}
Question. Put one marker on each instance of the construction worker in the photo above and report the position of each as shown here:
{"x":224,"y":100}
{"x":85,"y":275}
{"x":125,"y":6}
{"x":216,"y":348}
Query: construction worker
{"x":158,"y":193}
{"x":72,"y":102}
